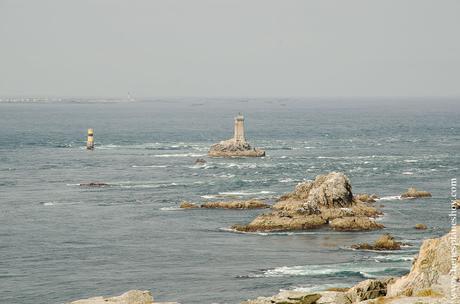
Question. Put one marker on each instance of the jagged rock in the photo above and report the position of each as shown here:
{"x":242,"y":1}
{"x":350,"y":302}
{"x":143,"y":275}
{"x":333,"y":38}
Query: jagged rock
{"x":414,"y":193}
{"x":287,"y":297}
{"x":421,"y":227}
{"x":316,"y":203}
{"x":355,"y":224}
{"x":236,"y":146}
{"x":384,"y":242}
{"x":130,"y":297}
{"x":368,"y":289}
{"x":249,"y":204}
{"x":430,"y":269}
{"x":94,"y":184}
{"x":188,"y":205}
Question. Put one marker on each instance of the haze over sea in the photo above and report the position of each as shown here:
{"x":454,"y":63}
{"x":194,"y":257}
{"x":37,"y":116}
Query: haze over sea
{"x":61,"y":242}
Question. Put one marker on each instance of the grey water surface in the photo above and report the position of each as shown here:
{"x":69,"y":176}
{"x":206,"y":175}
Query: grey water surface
{"x":61,"y":242}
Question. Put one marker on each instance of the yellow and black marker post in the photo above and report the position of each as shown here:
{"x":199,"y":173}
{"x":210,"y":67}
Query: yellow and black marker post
{"x":90,"y":141}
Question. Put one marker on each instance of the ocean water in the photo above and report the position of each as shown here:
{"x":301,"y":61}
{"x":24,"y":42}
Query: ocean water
{"x":61,"y":242}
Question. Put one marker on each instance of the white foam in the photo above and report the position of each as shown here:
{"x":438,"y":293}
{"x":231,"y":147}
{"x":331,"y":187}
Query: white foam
{"x":286,"y":180}
{"x":172,"y":209}
{"x":410,"y":160}
{"x":179,"y":155}
{"x":149,"y":166}
{"x":408,"y":173}
{"x":389,"y":198}
{"x":393,"y":258}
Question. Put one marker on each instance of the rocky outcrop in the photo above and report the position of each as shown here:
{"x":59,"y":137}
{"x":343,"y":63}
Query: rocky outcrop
{"x":130,"y":297}
{"x":384,"y":242}
{"x":231,"y":148}
{"x":456,"y":204}
{"x":249,"y":204}
{"x":236,"y":146}
{"x":366,"y":290}
{"x":287,"y":297}
{"x":430,"y":270}
{"x":414,"y":193}
{"x":326,"y":200}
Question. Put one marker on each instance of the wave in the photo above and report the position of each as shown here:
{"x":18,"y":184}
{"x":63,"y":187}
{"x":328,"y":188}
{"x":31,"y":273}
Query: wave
{"x":235,"y":194}
{"x":171,"y":209}
{"x":393,"y":258}
{"x":149,"y":166}
{"x":407,"y":173}
{"x":179,"y":155}
{"x":336,"y":270}
{"x":390,"y":198}
{"x":48,"y":203}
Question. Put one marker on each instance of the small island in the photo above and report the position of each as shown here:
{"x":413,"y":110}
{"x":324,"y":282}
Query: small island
{"x":236,"y":146}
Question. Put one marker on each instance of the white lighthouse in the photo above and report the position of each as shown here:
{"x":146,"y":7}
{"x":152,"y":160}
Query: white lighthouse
{"x":238,"y":137}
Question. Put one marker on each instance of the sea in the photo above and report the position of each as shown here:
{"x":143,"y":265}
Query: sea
{"x":61,"y":242}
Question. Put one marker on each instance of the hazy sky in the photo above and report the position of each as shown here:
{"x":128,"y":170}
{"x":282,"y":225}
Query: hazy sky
{"x":230,"y":48}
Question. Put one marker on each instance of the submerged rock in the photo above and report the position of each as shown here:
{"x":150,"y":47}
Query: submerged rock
{"x":200,"y":161}
{"x":384,"y":242}
{"x":312,"y":204}
{"x":250,"y":204}
{"x":130,"y":297}
{"x":414,"y":193}
{"x":236,"y":146}
{"x":94,"y":184}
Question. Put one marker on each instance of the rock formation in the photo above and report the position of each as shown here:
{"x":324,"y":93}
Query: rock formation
{"x":456,"y":204}
{"x":414,"y":193}
{"x":249,"y":204}
{"x":287,"y":297}
{"x":384,"y":242}
{"x":236,"y":146}
{"x":326,"y":200}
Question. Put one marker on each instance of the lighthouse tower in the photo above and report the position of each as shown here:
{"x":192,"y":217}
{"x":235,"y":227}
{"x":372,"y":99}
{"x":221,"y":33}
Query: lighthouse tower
{"x":238,"y":137}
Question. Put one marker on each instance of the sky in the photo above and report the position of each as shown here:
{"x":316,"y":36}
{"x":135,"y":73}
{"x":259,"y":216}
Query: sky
{"x":237,"y":48}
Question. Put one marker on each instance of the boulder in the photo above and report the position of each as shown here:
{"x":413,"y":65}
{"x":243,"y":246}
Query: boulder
{"x":384,"y":242}
{"x":456,"y":204}
{"x":421,"y":227}
{"x":287,"y":297}
{"x":366,"y":290}
{"x":130,"y":297}
{"x":414,"y":193}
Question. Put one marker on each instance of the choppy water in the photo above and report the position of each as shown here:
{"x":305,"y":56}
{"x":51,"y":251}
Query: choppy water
{"x":60,"y":242}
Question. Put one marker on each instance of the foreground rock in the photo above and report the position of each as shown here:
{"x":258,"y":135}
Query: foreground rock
{"x":287,"y":297}
{"x":130,"y":297}
{"x":428,"y":281}
{"x":236,"y":146}
{"x":249,"y":204}
{"x":326,"y":200}
{"x":384,"y":242}
{"x":414,"y":193}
